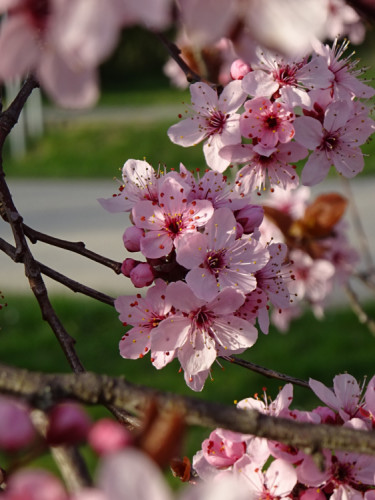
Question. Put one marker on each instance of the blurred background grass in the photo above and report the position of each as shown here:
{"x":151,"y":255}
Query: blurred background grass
{"x":318,"y":349}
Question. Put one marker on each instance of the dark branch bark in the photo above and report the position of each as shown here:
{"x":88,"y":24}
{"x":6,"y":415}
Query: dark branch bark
{"x":43,"y":390}
{"x":175,"y":52}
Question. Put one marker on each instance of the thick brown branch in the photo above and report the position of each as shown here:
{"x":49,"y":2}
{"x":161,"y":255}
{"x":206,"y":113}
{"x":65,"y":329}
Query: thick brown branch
{"x":43,"y":390}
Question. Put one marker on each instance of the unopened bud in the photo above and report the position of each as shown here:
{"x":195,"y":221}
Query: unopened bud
{"x":132,"y":238}
{"x":16,"y":429}
{"x":107,"y":436}
{"x":239,"y":69}
{"x":142,"y":275}
{"x":128,"y":265}
{"x":68,"y":424}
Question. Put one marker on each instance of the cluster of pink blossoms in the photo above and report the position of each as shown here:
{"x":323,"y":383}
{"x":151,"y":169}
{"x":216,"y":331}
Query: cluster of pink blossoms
{"x":320,"y":255}
{"x":292,"y":473}
{"x":212,"y":277}
{"x":311,"y":104}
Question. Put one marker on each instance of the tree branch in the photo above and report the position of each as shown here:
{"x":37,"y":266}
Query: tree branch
{"x":266,"y":371}
{"x":175,"y":52}
{"x":76,"y":247}
{"x":43,"y":390}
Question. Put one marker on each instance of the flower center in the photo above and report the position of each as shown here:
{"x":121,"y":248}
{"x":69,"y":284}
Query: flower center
{"x":216,"y":261}
{"x":203,"y":318}
{"x":215,"y":123}
{"x":271,"y":122}
{"x":174,"y":224}
{"x":286,"y":75}
{"x":330,"y":142}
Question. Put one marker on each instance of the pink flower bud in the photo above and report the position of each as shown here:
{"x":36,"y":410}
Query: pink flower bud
{"x":127,"y":266}
{"x":16,"y":429}
{"x":132,"y":238}
{"x":68,"y":424}
{"x":142,"y":275}
{"x":239,"y":69}
{"x":250,"y":217}
{"x":107,"y":436}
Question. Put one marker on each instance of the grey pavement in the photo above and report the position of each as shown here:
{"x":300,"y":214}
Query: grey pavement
{"x":70,"y":210}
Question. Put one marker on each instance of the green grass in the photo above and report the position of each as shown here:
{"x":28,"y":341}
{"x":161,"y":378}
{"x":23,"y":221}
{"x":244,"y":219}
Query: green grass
{"x":312,"y":348}
{"x":100,"y":150}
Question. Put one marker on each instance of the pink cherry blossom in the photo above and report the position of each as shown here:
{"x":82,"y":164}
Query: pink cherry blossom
{"x":279,"y":77}
{"x":214,"y":186}
{"x":276,"y":483}
{"x":268,"y":123}
{"x":32,"y":40}
{"x":140,"y":182}
{"x":276,"y":408}
{"x":255,"y":307}
{"x":273,"y":169}
{"x":335,"y":142}
{"x":144,"y":315}
{"x":342,"y":470}
{"x":217,"y":259}
{"x":346,"y":84}
{"x":169,"y":220}
{"x":273,"y":278}
{"x":214,"y":120}
{"x":345,"y":398}
{"x":312,"y":277}
{"x":223,"y":448}
{"x":343,"y":20}
{"x":200,"y":330}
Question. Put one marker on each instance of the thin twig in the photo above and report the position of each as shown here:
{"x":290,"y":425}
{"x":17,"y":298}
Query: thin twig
{"x":363,"y":317}
{"x":266,"y":371}
{"x":43,"y":390}
{"x":175,"y":52}
{"x":76,"y":247}
{"x":73,"y":285}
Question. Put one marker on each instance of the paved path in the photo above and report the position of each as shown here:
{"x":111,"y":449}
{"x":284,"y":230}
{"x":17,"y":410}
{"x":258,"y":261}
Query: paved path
{"x":69,"y":210}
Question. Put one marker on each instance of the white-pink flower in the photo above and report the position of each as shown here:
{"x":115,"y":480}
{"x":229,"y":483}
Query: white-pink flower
{"x":345,"y":398}
{"x":140,"y":182}
{"x":217,"y":259}
{"x":276,"y":483}
{"x":144,"y":315}
{"x":200,"y":330}
{"x":335,"y":141}
{"x":262,"y":171}
{"x":287,"y":79}
{"x":214,"y":120}
{"x":32,"y":40}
